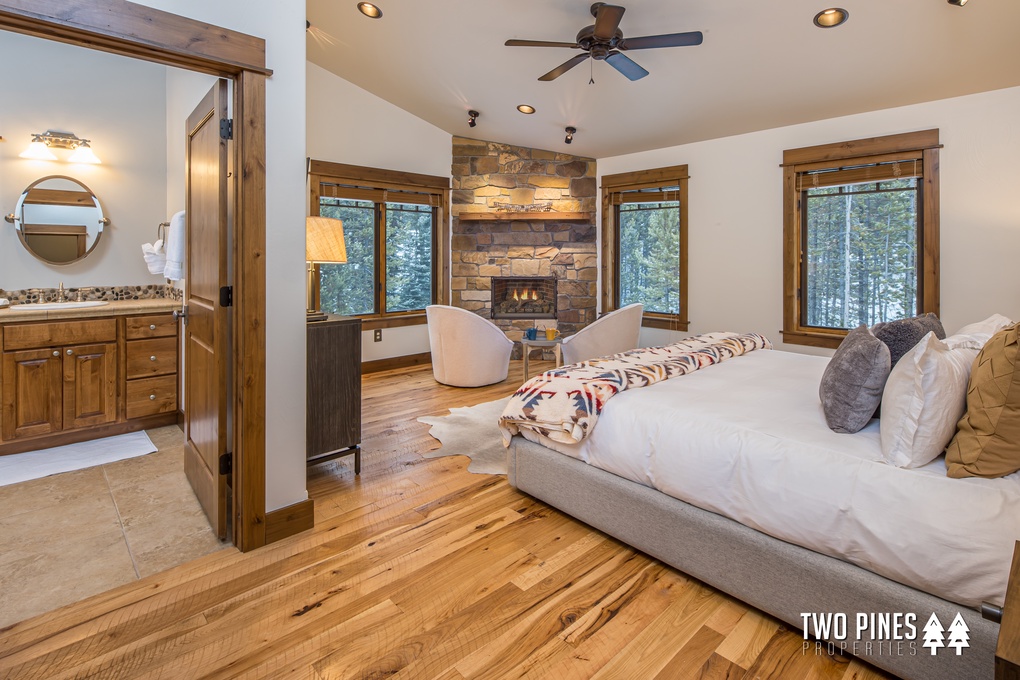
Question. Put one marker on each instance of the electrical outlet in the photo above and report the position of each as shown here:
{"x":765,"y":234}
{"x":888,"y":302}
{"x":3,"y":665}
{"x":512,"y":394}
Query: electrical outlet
{"x":377,"y":335}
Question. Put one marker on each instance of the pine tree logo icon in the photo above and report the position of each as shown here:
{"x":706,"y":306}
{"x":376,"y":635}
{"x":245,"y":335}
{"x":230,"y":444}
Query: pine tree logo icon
{"x":933,"y":637}
{"x":958,"y":634}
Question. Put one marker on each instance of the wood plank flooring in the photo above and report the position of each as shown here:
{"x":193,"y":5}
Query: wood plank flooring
{"x":417,"y":569}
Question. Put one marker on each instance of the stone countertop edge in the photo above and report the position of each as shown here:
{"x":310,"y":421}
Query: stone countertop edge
{"x":115,"y":308}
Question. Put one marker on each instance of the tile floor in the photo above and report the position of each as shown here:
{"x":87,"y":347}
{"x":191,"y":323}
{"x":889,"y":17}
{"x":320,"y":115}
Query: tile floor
{"x":69,"y":536}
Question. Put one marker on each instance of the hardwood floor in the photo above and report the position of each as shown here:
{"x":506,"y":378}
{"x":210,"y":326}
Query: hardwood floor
{"x":417,"y":569}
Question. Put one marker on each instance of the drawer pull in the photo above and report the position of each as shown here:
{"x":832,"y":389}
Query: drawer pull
{"x":152,"y":397}
{"x":152,"y":358}
{"x":70,"y":352}
{"x":56,"y":353}
{"x":152,"y":326}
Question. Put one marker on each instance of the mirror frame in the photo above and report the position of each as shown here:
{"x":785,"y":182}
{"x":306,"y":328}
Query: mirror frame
{"x":19,"y":220}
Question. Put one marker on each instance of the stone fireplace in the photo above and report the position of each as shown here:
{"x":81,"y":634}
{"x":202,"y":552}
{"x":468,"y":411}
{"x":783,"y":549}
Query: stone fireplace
{"x":523,"y":297}
{"x":526,"y":214}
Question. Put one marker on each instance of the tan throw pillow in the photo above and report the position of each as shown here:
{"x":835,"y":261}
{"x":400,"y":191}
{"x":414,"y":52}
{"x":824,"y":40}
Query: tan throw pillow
{"x":987,"y":441}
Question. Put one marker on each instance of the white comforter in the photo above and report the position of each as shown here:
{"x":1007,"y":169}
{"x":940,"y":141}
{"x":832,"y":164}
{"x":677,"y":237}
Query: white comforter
{"x":747,"y":439}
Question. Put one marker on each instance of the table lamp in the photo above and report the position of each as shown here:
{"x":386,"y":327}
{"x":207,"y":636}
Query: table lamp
{"x":324,"y":243}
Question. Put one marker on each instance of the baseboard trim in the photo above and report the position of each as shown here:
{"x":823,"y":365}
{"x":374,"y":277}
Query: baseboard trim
{"x":396,"y":362}
{"x":290,"y":520}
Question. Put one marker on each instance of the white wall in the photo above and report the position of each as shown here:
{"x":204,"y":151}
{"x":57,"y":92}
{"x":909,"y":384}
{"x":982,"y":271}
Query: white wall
{"x":49,"y":85}
{"x":347,"y":124}
{"x":736,"y":212}
{"x":282,"y":24}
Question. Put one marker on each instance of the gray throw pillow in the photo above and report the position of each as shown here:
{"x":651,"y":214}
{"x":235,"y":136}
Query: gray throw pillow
{"x":902,"y":335}
{"x":852,"y":384}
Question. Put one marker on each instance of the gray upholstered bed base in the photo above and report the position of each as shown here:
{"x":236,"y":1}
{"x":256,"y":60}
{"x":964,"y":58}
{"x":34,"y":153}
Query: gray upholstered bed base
{"x":774,"y":576}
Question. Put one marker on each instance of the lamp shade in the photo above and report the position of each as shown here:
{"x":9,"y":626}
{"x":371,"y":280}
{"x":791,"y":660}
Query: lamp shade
{"x":324,"y":240}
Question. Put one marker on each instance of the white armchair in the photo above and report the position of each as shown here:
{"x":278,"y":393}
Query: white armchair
{"x":467,"y":350}
{"x":615,"y":332}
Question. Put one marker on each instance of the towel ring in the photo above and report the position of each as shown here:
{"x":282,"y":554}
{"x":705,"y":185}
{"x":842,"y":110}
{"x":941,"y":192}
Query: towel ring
{"x":161,"y":231}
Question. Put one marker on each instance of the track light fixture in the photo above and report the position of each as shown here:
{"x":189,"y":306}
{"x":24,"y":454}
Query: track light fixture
{"x":472,"y":118}
{"x":958,"y":3}
{"x":570,"y":135}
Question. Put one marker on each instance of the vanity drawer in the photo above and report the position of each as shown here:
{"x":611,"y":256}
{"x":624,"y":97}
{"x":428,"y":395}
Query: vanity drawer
{"x":154,"y":326}
{"x":151,"y":396}
{"x":33,"y":335}
{"x":146,"y":358}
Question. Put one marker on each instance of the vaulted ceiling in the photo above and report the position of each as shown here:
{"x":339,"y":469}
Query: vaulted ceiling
{"x":763,"y":64}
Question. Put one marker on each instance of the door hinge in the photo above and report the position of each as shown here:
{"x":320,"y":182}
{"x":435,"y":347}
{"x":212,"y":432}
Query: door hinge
{"x":226,"y":463}
{"x":226,"y":128}
{"x":227,"y":296}
{"x":798,"y":293}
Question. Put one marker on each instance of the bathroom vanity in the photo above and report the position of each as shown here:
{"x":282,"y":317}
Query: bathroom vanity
{"x":69,"y":375}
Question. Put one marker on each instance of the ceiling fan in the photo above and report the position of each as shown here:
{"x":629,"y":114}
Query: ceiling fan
{"x":604,"y":41}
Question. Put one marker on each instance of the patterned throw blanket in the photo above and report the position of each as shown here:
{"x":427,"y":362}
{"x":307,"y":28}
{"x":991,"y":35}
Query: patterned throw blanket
{"x":564,"y":404}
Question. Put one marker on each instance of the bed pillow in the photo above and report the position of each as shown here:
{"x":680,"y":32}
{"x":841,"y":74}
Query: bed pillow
{"x":924,"y":397}
{"x":987,"y":441}
{"x":903,"y":334}
{"x":852,"y":383}
{"x":981,"y":332}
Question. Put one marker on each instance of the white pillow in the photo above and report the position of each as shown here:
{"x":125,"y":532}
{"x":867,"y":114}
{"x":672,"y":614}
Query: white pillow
{"x":975,"y":335}
{"x":924,"y":397}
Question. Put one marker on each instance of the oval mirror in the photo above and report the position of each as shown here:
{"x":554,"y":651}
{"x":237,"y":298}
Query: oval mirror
{"x":59,"y":219}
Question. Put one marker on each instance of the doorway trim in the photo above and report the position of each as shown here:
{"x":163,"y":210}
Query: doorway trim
{"x":141,"y":32}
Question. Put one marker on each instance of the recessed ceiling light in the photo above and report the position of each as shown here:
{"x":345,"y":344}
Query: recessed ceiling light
{"x":958,"y":3}
{"x":526,"y":108}
{"x":369,"y":10}
{"x":832,"y":17}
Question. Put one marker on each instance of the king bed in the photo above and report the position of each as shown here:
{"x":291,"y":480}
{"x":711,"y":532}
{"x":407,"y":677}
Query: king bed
{"x":731,"y":475}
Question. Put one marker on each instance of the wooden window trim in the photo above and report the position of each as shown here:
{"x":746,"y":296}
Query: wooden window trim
{"x":372,"y":184}
{"x":612,"y":186}
{"x":924,"y":145}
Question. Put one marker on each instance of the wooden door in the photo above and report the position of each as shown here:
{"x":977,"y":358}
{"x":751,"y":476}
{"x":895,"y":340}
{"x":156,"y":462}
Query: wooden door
{"x":206,"y":325}
{"x":90,"y":385}
{"x":32,"y":393}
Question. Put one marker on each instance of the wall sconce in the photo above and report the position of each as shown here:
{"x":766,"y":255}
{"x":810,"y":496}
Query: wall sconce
{"x":472,"y":118}
{"x":41,"y":144}
{"x":570,"y":135}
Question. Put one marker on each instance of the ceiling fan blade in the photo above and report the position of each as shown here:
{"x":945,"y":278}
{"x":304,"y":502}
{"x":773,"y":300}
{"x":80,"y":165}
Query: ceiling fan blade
{"x":670,"y":40}
{"x":607,"y":21}
{"x":565,"y":66}
{"x":537,"y":43}
{"x":625,"y":65}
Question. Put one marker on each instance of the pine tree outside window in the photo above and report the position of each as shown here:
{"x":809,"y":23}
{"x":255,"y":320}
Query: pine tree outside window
{"x":394,"y":243}
{"x":644,"y":244}
{"x":861,"y":235}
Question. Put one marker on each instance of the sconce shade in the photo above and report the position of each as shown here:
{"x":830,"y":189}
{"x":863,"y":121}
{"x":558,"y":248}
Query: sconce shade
{"x":84,"y":154}
{"x":324,"y":240}
{"x":38,"y":151}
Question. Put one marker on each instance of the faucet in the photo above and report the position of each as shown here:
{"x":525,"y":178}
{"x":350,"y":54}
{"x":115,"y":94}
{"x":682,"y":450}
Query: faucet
{"x":60,"y":293}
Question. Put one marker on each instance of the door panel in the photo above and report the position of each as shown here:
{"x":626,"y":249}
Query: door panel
{"x":32,"y":393}
{"x":90,"y":385}
{"x":206,"y":329}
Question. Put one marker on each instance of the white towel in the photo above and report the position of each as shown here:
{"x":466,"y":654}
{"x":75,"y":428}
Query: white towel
{"x":175,"y":236}
{"x":155,"y":257}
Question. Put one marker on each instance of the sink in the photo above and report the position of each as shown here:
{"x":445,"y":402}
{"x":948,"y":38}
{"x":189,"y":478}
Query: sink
{"x":37,"y":307}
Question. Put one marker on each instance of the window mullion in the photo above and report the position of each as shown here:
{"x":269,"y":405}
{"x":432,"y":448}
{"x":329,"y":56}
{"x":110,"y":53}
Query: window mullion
{"x":380,"y":255}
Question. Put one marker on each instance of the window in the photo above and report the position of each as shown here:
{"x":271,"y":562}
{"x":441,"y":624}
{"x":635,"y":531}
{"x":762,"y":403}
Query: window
{"x":861,"y":234}
{"x":644,"y":244}
{"x":394,"y":242}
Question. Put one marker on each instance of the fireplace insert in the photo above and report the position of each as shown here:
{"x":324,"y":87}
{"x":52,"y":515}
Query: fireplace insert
{"x":523,"y":297}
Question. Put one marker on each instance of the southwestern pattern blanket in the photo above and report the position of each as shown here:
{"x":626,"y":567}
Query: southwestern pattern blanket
{"x":564,"y":404}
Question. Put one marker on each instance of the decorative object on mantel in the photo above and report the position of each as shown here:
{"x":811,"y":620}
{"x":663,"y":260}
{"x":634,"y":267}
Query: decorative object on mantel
{"x":503,"y":216}
{"x":503,"y":206}
{"x":324,"y":243}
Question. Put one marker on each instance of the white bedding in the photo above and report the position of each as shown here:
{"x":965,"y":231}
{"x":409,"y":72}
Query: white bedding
{"x":747,"y":439}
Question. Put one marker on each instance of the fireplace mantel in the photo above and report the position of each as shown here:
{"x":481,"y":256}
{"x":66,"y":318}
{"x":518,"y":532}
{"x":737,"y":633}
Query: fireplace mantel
{"x":523,"y":216}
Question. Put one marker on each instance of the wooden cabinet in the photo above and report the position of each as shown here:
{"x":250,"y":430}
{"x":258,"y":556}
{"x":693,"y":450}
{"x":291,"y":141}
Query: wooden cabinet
{"x":334,"y":390}
{"x":74,"y":380}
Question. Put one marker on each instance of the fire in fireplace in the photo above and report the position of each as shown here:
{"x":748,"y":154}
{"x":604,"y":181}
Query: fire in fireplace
{"x":523,"y":297}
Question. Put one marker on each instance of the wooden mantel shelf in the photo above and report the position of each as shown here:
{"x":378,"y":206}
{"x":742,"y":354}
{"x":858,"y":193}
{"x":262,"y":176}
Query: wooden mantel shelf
{"x":523,"y":216}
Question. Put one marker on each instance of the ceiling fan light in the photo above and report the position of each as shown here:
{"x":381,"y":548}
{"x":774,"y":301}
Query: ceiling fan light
{"x":832,"y":17}
{"x":526,"y":108}
{"x":369,"y":10}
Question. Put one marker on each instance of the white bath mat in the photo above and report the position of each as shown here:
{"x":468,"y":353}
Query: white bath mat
{"x":21,"y":467}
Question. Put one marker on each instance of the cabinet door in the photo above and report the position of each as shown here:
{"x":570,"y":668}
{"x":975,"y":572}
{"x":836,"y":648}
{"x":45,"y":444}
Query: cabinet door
{"x":90,"y":385}
{"x":32,"y":393}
